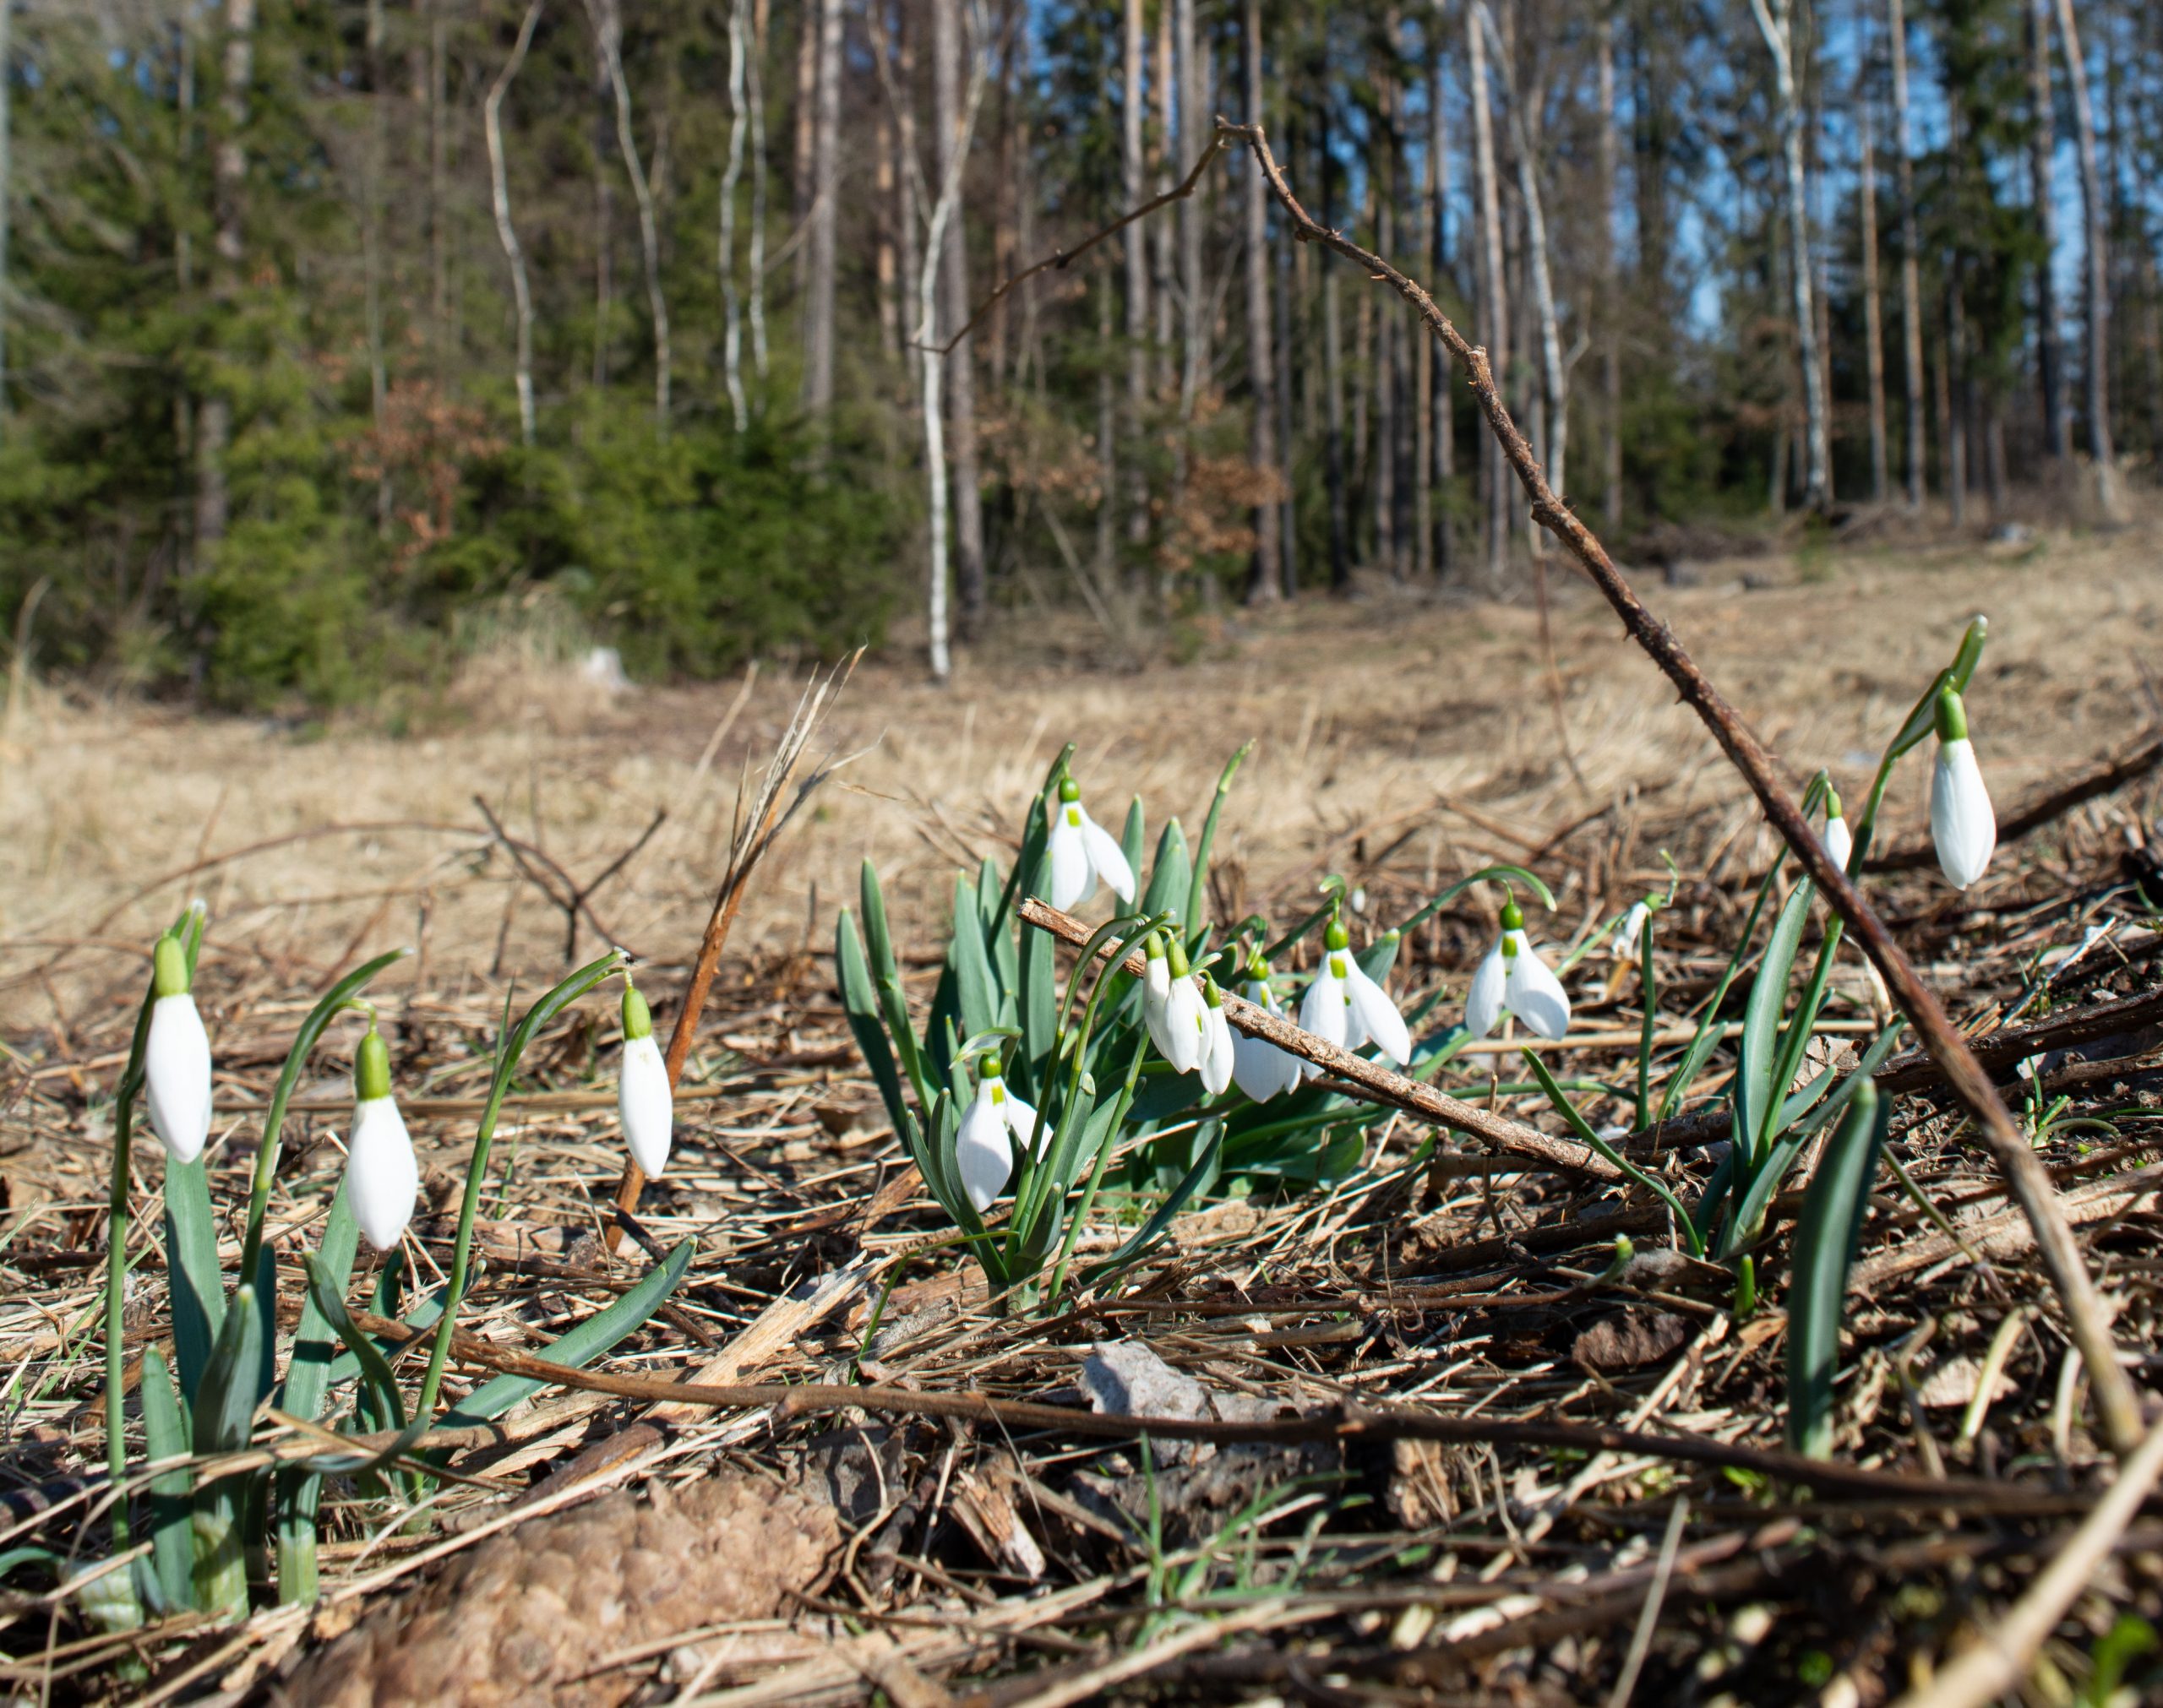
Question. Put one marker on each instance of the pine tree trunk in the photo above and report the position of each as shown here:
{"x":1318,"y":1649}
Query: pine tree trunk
{"x":6,"y":184}
{"x":2042,"y":158}
{"x":803,"y":174}
{"x":1134,"y":53}
{"x":1610,"y":331}
{"x":506,"y":233}
{"x":1193,"y":97}
{"x":1873,"y":302}
{"x":1264,"y":575}
{"x":1332,"y":379}
{"x":1952,"y":431}
{"x":755,"y":263}
{"x":1494,"y":300}
{"x":1384,"y":167}
{"x":439,"y":335}
{"x":229,"y":171}
{"x":949,"y":54}
{"x":1422,"y":347}
{"x":2095,"y":393}
{"x":1288,"y":316}
{"x":1163,"y":266}
{"x":372,"y":265}
{"x":824,"y":213}
{"x":1911,"y":292}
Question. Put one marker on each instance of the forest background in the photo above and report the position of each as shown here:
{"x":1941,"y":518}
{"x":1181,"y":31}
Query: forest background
{"x":338,"y":339}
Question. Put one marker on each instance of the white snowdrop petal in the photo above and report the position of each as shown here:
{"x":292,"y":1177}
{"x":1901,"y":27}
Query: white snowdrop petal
{"x":1071,"y":878}
{"x":1377,"y":1015}
{"x":1219,"y":1055}
{"x":1839,"y":842}
{"x":176,"y":1076}
{"x":646,"y":1104}
{"x":1962,"y":824}
{"x":1107,"y":859}
{"x":1534,"y":995}
{"x":1322,"y":1011}
{"x":1022,"y":1123}
{"x":1631,"y":933}
{"x":983,"y":1156}
{"x":382,"y":1178}
{"x":1483,"y":1002}
{"x":1185,"y":1026}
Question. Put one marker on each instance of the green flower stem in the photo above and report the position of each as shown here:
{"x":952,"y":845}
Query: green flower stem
{"x":116,"y":1284}
{"x":477,"y":1168}
{"x":1097,"y":1170}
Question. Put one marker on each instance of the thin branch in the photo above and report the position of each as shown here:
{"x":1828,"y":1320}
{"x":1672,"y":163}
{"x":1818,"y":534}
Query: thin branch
{"x":1061,"y":258}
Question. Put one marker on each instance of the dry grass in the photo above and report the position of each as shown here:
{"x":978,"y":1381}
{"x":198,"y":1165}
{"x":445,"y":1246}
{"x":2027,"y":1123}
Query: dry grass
{"x":1399,"y":740}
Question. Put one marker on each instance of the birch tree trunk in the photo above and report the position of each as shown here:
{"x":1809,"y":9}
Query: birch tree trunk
{"x":2042,"y":158}
{"x":1190,"y":134}
{"x":731,"y":179}
{"x":825,"y":180}
{"x":1776,"y":24}
{"x":229,"y":172}
{"x":2095,"y":387}
{"x":608,"y":26}
{"x":499,"y":179}
{"x":1873,"y":296}
{"x":1555,"y":382}
{"x":955,"y":134}
{"x":944,"y":211}
{"x":1494,"y":300}
{"x":755,"y":262}
{"x":1262,"y":576}
{"x":1911,"y":291}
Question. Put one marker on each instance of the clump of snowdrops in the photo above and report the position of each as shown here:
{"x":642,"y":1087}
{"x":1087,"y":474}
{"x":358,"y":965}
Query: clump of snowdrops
{"x":192,"y":1518}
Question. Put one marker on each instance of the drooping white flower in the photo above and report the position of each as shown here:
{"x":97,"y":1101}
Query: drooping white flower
{"x":1259,"y":1068}
{"x":1323,"y":1010}
{"x":1182,"y":1032}
{"x":1081,"y":852}
{"x":1962,"y":824}
{"x":382,"y":1179}
{"x":645,"y":1102}
{"x":1840,"y":841}
{"x":1156,"y":992}
{"x":1219,"y":1049}
{"x":177,"y":1058}
{"x":1346,"y":1006}
{"x":1631,"y":933}
{"x":1514,"y":978}
{"x":983,"y":1149}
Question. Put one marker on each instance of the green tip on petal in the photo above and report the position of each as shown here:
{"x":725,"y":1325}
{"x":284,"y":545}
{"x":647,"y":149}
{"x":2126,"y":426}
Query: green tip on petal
{"x":371,"y":1067}
{"x":638,"y":1018}
{"x":1069,"y":789}
{"x":1176,"y":951}
{"x":169,"y":967}
{"x":1833,"y":805}
{"x":1152,"y":946}
{"x":1335,"y":938}
{"x":1512,"y":916}
{"x":1210,"y":993}
{"x":1258,"y":968}
{"x":1951,"y":715}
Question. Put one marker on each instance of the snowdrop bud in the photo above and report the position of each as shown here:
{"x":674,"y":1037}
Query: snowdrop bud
{"x":177,"y":1057}
{"x":1081,"y":852}
{"x":1839,"y":843}
{"x":1219,"y":1054}
{"x":1156,"y":992}
{"x":1962,"y":824}
{"x":1631,"y":933}
{"x":382,"y":1179}
{"x":645,"y":1102}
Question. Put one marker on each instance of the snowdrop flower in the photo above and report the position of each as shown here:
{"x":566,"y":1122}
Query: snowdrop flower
{"x":984,"y":1150}
{"x":645,"y":1102}
{"x":1839,"y":842}
{"x":1172,"y":1006}
{"x":1081,"y":852}
{"x":382,"y":1179}
{"x":1259,"y":1068}
{"x":1631,"y":933}
{"x":177,"y":1057}
{"x":1219,"y":1050}
{"x":1961,"y":822}
{"x":1514,"y":978}
{"x":1349,"y":1008}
